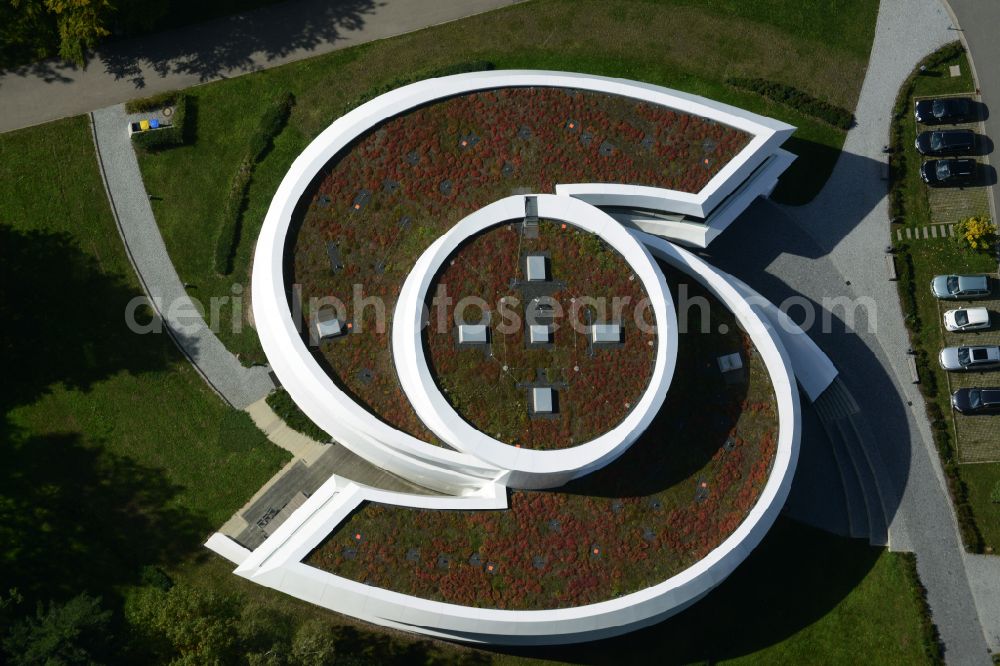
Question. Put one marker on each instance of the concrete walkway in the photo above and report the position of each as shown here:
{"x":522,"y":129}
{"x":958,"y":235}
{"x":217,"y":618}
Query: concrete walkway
{"x":119,"y":169}
{"x":223,"y":48}
{"x":305,"y":449}
{"x":907,"y":30}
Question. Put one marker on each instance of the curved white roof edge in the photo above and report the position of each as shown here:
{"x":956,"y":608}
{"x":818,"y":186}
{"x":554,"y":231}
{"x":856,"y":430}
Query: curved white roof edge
{"x":309,"y":386}
{"x":279,"y":564}
{"x":531,"y":468}
{"x":690,"y":233}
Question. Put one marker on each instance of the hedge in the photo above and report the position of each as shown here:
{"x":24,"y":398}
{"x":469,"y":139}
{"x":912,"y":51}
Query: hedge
{"x":931,"y":639}
{"x":168,"y":137}
{"x":285,"y":407}
{"x":907,"y":286}
{"x":798,"y":100}
{"x":153,"y":103}
{"x":271,"y":123}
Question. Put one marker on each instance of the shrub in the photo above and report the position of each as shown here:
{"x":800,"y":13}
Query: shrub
{"x":931,"y":639}
{"x":152,"y":103}
{"x":797,"y":99}
{"x":285,"y":407}
{"x":978,"y":233}
{"x":174,"y":135}
{"x":270,"y":125}
{"x":232,"y":211}
{"x":995,"y":493}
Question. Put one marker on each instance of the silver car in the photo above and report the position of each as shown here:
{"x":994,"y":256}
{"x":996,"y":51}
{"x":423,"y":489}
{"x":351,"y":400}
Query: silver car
{"x":967,"y":319}
{"x":983,"y":357}
{"x":954,"y":287}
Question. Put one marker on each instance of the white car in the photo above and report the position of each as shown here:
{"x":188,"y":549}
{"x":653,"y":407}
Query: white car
{"x":967,"y":319}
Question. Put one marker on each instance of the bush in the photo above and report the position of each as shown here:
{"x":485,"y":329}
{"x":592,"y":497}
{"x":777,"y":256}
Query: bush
{"x":977,"y":233}
{"x":232,"y":212}
{"x":285,"y":407}
{"x":174,"y":135}
{"x":152,"y":103}
{"x":931,"y":639}
{"x":798,"y":100}
{"x":269,"y":127}
{"x":995,"y":493}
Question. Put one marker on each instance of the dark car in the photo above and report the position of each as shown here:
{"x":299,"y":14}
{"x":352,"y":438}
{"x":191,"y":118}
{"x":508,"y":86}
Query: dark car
{"x":947,"y":110}
{"x":949,"y":172}
{"x":976,"y":400}
{"x":946,"y":142}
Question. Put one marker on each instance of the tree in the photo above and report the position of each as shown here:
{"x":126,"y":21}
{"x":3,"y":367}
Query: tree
{"x":31,"y":28}
{"x":186,"y":624}
{"x":69,"y":633}
{"x":314,"y":644}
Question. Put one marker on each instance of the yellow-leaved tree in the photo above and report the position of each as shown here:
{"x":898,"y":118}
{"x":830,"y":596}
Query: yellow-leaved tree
{"x":978,"y":233}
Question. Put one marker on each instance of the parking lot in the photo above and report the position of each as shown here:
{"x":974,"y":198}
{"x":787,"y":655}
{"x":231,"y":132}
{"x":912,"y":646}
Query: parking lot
{"x":952,"y":204}
{"x":978,"y":436}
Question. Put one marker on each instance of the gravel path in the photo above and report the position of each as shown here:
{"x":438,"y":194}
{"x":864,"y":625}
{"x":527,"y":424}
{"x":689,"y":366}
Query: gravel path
{"x":130,"y":204}
{"x":223,"y":48}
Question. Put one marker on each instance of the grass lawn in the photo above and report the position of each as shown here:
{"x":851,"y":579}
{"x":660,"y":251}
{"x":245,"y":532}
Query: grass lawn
{"x":116,"y":453}
{"x":981,"y":479}
{"x":692,"y":47}
{"x":932,"y":257}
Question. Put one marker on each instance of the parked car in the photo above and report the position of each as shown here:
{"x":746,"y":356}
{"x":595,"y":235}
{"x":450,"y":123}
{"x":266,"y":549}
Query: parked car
{"x":949,"y":172}
{"x":946,"y":142}
{"x":976,"y":400}
{"x":967,"y":319}
{"x":947,"y":110}
{"x":955,"y":287}
{"x":983,"y":357}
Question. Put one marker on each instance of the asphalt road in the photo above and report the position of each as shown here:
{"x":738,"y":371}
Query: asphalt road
{"x":979,"y":26}
{"x":223,"y":48}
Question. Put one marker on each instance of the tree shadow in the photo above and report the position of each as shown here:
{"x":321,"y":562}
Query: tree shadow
{"x":73,"y":517}
{"x":227,"y":46}
{"x":64,"y":318}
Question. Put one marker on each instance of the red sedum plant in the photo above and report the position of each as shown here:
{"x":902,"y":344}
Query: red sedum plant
{"x":398,"y":188}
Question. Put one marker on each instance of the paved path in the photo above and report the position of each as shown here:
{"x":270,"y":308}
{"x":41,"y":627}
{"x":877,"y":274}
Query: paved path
{"x":833,"y":248}
{"x":301,"y":447}
{"x":130,"y":205}
{"x":223,"y":48}
{"x":979,"y":23}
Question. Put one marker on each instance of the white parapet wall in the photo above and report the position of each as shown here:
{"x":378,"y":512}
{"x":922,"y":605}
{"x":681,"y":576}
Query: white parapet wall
{"x":317,"y":394}
{"x":526,"y":468}
{"x":278,"y":562}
